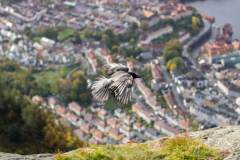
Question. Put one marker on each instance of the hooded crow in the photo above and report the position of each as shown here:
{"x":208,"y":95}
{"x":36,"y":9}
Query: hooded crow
{"x":119,"y":84}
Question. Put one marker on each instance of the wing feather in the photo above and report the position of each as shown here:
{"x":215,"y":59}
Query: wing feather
{"x":101,"y":90}
{"x":122,"y":86}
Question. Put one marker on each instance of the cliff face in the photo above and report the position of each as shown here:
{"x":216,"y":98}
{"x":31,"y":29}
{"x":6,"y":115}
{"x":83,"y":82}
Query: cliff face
{"x":226,"y":139}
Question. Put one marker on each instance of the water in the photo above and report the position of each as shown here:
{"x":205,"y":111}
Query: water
{"x":225,"y":11}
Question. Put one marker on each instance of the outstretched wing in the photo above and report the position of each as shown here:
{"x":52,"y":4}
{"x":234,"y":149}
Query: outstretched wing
{"x":115,"y":67}
{"x":101,"y":90}
{"x":122,"y":86}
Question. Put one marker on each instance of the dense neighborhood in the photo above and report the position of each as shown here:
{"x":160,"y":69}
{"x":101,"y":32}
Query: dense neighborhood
{"x":190,"y":68}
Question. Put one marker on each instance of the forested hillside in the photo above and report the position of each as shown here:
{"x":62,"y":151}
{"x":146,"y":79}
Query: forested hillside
{"x":24,"y":127}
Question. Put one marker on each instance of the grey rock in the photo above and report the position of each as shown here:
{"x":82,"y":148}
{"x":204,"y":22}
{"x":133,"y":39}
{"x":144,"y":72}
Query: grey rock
{"x":227,"y":139}
{"x":9,"y":156}
{"x":224,"y":138}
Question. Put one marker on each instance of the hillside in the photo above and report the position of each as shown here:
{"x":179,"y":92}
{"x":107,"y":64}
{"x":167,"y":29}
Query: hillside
{"x":223,"y":143}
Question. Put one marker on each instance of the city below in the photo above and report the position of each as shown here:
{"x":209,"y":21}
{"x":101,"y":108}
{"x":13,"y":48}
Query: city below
{"x":189,"y":64}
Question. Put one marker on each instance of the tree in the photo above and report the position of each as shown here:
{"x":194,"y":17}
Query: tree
{"x":173,"y":45}
{"x":196,"y":23}
{"x":175,"y":64}
{"x":50,"y":33}
{"x":13,"y":133}
{"x":25,"y":127}
{"x":59,"y":137}
{"x":75,"y":88}
{"x":172,"y":49}
{"x":170,"y":55}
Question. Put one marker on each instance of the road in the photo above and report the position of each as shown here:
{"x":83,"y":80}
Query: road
{"x":169,"y":80}
{"x":185,"y":53}
{"x":27,"y":19}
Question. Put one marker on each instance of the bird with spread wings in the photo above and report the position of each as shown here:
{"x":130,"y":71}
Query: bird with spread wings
{"x":119,"y":84}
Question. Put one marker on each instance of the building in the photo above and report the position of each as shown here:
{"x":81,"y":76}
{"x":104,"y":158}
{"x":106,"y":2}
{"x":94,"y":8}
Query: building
{"x":75,"y":108}
{"x":102,"y":114}
{"x":72,"y":118}
{"x":229,"y":60}
{"x":219,"y":48}
{"x":79,"y":133}
{"x":142,"y":112}
{"x":38,"y":100}
{"x":228,"y":88}
{"x":115,"y":134}
{"x":101,"y":125}
{"x":168,"y":96}
{"x":85,"y":127}
{"x":112,"y":122}
{"x":91,"y":57}
{"x":97,"y":135}
{"x":61,"y":111}
{"x":164,"y":127}
{"x":149,"y":96}
{"x":52,"y":102}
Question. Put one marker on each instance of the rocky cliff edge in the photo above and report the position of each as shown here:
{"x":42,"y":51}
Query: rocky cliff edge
{"x":226,"y":139}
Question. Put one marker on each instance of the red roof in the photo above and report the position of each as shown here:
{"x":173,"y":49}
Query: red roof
{"x":112,"y":122}
{"x":85,"y":127}
{"x":61,"y":111}
{"x":161,"y":124}
{"x":71,"y":117}
{"x":156,"y":72}
{"x":73,"y":106}
{"x":98,"y":135}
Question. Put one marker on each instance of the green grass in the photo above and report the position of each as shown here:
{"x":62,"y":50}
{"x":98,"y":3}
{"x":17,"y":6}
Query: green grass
{"x":50,"y":77}
{"x":180,"y":148}
{"x":48,"y":80}
{"x":65,"y":34}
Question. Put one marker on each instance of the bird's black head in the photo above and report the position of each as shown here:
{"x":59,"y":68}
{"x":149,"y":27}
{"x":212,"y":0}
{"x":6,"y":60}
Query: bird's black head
{"x":134,"y":75}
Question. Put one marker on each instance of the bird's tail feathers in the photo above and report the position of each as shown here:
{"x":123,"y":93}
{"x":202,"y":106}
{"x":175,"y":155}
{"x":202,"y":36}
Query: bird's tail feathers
{"x":100,"y":89}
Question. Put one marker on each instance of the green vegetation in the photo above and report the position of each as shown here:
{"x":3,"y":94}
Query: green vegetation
{"x":161,"y":24}
{"x":57,"y":33}
{"x":196,"y":23}
{"x":65,"y":34}
{"x":112,"y":40}
{"x":182,"y":148}
{"x":179,"y":148}
{"x":146,"y":75}
{"x":175,"y":64}
{"x":46,"y":83}
{"x":24,"y":127}
{"x":165,"y":38}
{"x":192,"y":24}
{"x":172,"y":56}
{"x":186,"y":24}
{"x":162,"y":101}
{"x":72,"y":88}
